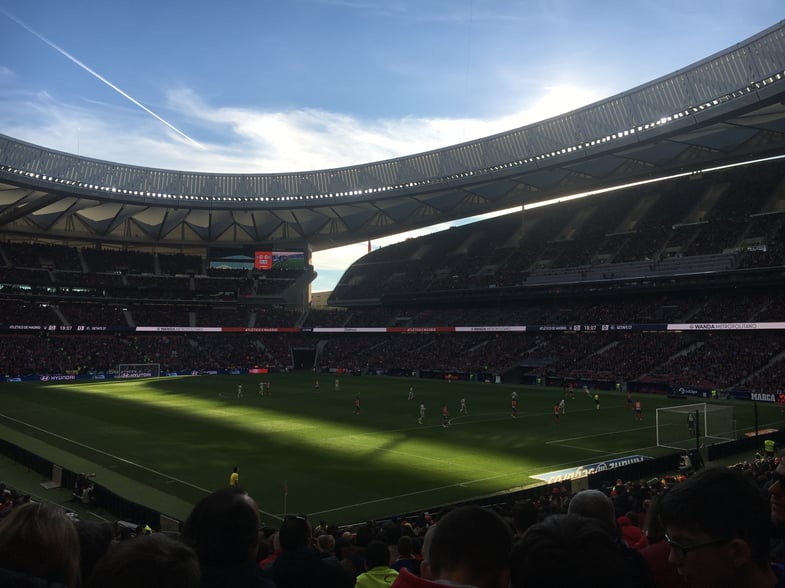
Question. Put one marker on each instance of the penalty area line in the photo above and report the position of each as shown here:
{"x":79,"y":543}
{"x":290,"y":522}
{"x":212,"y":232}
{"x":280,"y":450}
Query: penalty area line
{"x":564,"y":441}
{"x":464,"y":484}
{"x":577,"y":447}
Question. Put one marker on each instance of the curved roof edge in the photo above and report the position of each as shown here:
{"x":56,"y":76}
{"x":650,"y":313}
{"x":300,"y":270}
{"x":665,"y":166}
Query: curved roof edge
{"x":736,"y":78}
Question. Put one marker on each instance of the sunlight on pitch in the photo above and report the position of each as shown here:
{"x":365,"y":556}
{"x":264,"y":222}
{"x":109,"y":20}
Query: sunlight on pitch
{"x":485,"y":470}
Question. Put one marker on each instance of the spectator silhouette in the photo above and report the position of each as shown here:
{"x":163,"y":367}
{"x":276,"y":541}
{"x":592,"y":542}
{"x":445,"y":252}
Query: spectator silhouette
{"x":570,"y":551}
{"x":300,"y":564}
{"x":524,"y":515}
{"x":95,"y":539}
{"x":631,"y":534}
{"x":378,"y":572}
{"x":717,"y":523}
{"x":470,"y":546}
{"x":39,"y":546}
{"x":151,"y":561}
{"x":597,"y":505}
{"x":594,"y":504}
{"x":223,"y":530}
{"x":656,"y":553}
{"x":362,"y":538}
{"x":406,"y":557}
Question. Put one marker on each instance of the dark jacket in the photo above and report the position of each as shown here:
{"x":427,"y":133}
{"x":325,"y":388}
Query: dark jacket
{"x":234,"y":576}
{"x":12,"y":579}
{"x":305,"y":568}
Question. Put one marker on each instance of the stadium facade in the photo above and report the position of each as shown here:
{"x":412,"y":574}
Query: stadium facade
{"x":96,"y":246}
{"x":725,"y":108}
{"x":675,"y":286}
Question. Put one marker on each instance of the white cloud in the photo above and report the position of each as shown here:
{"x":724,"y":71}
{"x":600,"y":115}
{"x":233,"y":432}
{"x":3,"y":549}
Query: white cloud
{"x":254,"y":141}
{"x":305,"y":139}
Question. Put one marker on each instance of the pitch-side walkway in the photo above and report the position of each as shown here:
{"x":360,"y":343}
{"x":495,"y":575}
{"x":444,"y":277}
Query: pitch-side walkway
{"x":29,"y":482}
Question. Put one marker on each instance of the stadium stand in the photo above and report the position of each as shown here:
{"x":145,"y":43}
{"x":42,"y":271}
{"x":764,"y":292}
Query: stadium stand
{"x":596,"y":283}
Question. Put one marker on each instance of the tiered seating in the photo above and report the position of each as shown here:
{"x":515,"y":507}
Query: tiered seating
{"x":678,"y":228}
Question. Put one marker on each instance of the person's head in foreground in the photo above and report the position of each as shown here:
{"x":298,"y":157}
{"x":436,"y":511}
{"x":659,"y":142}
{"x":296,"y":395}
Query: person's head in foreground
{"x":717,"y":523}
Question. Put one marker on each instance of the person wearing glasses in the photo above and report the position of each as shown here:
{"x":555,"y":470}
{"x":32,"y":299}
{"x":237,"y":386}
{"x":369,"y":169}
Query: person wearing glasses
{"x":657,"y":552}
{"x":717,"y":523}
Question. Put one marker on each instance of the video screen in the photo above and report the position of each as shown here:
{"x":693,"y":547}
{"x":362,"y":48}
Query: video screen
{"x":279,"y":260}
{"x":258,"y":259}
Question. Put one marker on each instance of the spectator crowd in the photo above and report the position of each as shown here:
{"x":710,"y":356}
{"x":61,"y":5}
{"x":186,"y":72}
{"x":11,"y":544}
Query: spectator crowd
{"x":720,"y":527}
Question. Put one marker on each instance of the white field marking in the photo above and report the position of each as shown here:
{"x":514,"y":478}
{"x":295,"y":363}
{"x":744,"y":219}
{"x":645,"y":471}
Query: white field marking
{"x":407,"y":454}
{"x":118,"y":458}
{"x":563,"y":441}
{"x":463,"y":484}
{"x":506,"y":417}
{"x":373,"y":434}
{"x":435,"y":426}
{"x":577,"y":447}
{"x":501,"y":475}
{"x":431,"y":426}
{"x":424,"y":457}
{"x":472,"y":422}
{"x":407,"y":494}
{"x":102,"y":452}
{"x":522,"y":415}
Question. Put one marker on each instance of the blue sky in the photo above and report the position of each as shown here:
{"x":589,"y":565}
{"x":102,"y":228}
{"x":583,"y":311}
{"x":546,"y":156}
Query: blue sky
{"x":284,"y":85}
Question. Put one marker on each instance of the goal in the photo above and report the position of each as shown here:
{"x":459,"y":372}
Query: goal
{"x":712,"y":424}
{"x":138,"y":370}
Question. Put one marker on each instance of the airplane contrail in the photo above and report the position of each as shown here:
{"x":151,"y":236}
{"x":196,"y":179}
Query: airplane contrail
{"x":95,"y":74}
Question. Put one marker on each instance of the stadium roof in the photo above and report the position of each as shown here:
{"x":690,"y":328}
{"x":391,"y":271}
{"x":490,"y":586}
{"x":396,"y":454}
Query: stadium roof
{"x":727,"y":108}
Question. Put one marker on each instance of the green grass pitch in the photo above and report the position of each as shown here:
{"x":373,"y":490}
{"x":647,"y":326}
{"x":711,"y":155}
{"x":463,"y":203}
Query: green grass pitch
{"x":182,"y":435}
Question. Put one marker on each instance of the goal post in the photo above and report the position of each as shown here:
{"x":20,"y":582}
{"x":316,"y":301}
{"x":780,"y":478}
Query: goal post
{"x":679,"y":426}
{"x":138,"y":370}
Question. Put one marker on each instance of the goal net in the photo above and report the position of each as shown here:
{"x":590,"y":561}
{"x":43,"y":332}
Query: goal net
{"x":679,"y":426}
{"x":138,"y":370}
